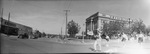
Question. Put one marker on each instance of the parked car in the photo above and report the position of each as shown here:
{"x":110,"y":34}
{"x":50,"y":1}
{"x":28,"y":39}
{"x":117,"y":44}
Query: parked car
{"x":23,"y":36}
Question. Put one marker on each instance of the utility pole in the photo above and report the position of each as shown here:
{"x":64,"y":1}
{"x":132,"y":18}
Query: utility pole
{"x":83,"y":35}
{"x":129,"y":26}
{"x":8,"y":17}
{"x":2,"y":13}
{"x":61,"y":32}
{"x":1,"y":18}
{"x":66,"y":20}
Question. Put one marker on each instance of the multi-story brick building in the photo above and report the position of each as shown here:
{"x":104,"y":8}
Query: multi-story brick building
{"x":96,"y":21}
{"x":13,"y":28}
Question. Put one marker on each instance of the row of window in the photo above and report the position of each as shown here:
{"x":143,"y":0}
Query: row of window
{"x":9,"y":23}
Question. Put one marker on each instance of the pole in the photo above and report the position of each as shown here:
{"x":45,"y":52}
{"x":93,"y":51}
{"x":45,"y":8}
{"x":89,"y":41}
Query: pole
{"x":8,"y":17}
{"x":83,"y":35}
{"x":91,"y":26}
{"x":61,"y":32}
{"x":2,"y":13}
{"x":1,"y":18}
{"x":66,"y":20}
{"x":129,"y":26}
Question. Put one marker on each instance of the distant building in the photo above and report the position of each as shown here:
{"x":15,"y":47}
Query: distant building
{"x":13,"y":28}
{"x":96,"y":21}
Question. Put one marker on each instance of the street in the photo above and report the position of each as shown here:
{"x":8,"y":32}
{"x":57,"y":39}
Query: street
{"x":80,"y":26}
{"x":14,"y":45}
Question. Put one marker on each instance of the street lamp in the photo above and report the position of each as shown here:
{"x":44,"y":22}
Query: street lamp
{"x":130,"y":25}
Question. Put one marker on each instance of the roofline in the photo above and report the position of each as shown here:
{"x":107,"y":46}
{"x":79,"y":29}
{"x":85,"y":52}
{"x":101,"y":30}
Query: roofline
{"x":17,"y":23}
{"x":110,"y":16}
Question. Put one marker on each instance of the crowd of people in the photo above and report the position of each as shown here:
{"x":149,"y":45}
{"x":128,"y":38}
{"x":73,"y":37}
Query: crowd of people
{"x":137,"y":36}
{"x":124,"y":37}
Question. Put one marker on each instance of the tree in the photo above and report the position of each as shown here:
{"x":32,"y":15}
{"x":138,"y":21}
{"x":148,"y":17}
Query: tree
{"x":37,"y":33}
{"x":113,"y":27}
{"x":73,"y":28}
{"x":43,"y":34}
{"x":148,"y":30}
{"x":138,"y":27}
{"x":105,"y":28}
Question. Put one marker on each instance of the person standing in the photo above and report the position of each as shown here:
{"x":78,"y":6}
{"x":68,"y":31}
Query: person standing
{"x":124,"y":37}
{"x":98,"y":42}
{"x":107,"y":38}
{"x":134,"y":35}
{"x":140,"y":37}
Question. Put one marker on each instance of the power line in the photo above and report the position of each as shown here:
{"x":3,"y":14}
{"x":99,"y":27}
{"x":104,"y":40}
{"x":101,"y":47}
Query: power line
{"x":69,"y":4}
{"x":67,"y":7}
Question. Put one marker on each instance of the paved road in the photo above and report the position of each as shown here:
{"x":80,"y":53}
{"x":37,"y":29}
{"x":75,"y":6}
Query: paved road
{"x":14,"y":45}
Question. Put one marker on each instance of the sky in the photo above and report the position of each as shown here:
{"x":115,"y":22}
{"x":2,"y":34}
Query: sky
{"x":49,"y":16}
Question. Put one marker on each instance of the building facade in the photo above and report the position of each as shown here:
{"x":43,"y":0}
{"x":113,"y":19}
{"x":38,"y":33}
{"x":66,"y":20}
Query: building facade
{"x":97,"y":20}
{"x":12,"y":28}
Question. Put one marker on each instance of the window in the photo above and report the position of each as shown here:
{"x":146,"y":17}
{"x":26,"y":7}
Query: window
{"x":5,"y":22}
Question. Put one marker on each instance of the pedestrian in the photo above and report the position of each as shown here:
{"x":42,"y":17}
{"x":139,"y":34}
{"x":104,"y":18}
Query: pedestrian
{"x":107,"y":38}
{"x":134,"y":35}
{"x":140,"y":37}
{"x":132,"y":38}
{"x":98,"y":42}
{"x":124,"y":37}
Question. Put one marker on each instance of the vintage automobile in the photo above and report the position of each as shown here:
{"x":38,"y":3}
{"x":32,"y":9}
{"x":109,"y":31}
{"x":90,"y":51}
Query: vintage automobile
{"x":23,"y":36}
